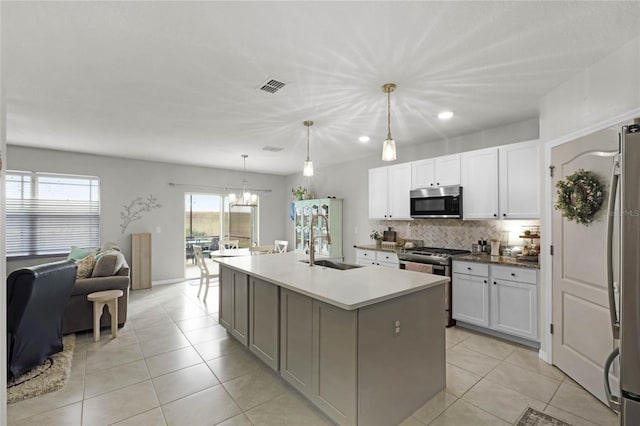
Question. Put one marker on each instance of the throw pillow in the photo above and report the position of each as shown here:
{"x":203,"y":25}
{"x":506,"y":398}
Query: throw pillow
{"x":108,"y":264}
{"x":107,"y":247}
{"x":79,"y":253}
{"x":85,"y":266}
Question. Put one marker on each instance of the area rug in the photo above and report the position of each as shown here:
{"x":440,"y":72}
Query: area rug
{"x":51,"y":376}
{"x":533,"y":417}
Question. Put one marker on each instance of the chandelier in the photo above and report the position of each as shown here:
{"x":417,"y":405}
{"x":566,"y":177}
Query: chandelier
{"x":246,"y":198}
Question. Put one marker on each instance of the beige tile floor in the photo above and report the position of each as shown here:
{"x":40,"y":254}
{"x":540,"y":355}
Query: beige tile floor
{"x":172,"y":364}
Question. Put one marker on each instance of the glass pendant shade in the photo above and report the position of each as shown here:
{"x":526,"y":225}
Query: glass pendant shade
{"x":307,"y":170}
{"x":389,"y":145}
{"x":389,"y":150}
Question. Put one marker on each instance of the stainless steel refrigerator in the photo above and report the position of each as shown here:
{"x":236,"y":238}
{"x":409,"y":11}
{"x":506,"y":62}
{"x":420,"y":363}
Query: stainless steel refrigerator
{"x":625,"y":310}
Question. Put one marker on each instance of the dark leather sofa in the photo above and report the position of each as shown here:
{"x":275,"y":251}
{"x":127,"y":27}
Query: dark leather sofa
{"x":36,"y":299}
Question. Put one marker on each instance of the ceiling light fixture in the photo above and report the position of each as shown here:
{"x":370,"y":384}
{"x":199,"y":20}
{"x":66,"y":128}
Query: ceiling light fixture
{"x":247,"y":198}
{"x":307,"y":169}
{"x":445,"y":115}
{"x":364,"y":139}
{"x":389,"y":145}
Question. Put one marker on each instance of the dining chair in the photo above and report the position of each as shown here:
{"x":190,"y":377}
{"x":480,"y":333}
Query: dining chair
{"x":228,"y":244}
{"x":261,"y":250}
{"x":205,"y":275}
{"x":281,"y":246}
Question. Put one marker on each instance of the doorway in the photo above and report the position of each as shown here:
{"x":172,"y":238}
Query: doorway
{"x":204,"y":223}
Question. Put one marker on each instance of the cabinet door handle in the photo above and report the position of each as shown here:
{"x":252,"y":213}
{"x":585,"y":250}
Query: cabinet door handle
{"x":494,"y":283}
{"x":431,"y":184}
{"x":495,"y":215}
{"x":504,"y":215}
{"x":438,"y":183}
{"x":513,"y":275}
{"x":468,"y":268}
{"x":485,"y":281}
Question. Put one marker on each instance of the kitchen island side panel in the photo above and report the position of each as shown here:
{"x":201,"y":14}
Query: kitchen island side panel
{"x":400,"y":370}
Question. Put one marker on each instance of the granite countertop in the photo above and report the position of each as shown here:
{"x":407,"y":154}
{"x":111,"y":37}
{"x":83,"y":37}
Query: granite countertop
{"x":350,"y":289}
{"x":396,"y":249}
{"x":497,"y":260}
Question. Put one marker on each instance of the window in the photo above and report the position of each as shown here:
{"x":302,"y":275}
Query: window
{"x":48,"y":213}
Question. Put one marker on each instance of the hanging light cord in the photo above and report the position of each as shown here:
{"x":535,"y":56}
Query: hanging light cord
{"x":307,"y":143}
{"x":388,"y":114}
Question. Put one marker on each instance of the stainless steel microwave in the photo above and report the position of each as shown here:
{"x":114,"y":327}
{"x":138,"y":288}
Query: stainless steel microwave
{"x":440,"y":202}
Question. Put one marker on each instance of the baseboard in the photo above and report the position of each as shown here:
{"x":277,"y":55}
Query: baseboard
{"x":543,"y":355}
{"x":494,"y":333}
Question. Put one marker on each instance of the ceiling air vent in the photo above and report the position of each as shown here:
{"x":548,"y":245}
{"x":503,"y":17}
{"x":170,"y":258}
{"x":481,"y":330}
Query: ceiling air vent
{"x":272,"y":148}
{"x":271,"y":85}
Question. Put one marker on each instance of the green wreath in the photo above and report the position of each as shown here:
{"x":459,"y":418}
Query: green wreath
{"x":580,"y":196}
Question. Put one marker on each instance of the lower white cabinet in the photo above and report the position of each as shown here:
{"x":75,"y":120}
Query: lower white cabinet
{"x":234,"y":303}
{"x":514,"y":301}
{"x":377,"y":258}
{"x":471,"y":299}
{"x":503,"y":298}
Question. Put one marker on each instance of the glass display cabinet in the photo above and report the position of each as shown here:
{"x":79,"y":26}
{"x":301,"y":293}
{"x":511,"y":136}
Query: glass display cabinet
{"x":304,"y":211}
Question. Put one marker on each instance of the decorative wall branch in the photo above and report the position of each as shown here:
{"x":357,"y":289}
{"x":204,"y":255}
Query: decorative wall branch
{"x":134,"y":210}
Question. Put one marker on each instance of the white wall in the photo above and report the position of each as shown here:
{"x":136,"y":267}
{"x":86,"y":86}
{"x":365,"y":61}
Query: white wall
{"x":122,"y":180}
{"x":606,"y":89}
{"x":349,"y":181}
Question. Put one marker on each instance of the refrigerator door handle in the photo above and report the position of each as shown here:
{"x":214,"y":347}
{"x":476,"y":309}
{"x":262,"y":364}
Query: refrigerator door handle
{"x":615,"y":322}
{"x":614,"y":401}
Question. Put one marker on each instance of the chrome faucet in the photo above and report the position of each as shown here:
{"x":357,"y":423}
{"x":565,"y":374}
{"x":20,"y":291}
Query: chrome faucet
{"x":312,"y":238}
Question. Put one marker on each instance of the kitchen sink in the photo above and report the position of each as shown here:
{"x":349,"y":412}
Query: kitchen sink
{"x":333,"y":264}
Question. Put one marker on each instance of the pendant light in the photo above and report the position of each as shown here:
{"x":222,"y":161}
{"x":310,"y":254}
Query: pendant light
{"x":389,"y":145}
{"x":246,"y":198}
{"x":307,"y":170}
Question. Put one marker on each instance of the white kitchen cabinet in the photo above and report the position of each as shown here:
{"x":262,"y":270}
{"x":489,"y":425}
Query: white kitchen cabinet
{"x":439,"y":171}
{"x":304,"y":211}
{"x":519,"y":178}
{"x":501,"y":183}
{"x":480,"y":184}
{"x":389,"y":192}
{"x":514,"y":301}
{"x":377,"y":258}
{"x":500,"y":298}
{"x":234,"y":303}
{"x":470,"y":294}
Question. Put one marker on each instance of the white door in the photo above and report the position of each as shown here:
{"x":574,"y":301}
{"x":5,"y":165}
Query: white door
{"x":582,"y":336}
{"x":378,"y":193}
{"x":399,"y":187}
{"x":479,"y":170}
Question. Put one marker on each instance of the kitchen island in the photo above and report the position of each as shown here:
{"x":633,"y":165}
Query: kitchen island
{"x":365,"y":345}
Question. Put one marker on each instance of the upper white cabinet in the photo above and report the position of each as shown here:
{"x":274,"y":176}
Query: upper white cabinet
{"x":519,"y":181}
{"x":501,"y":183}
{"x":439,"y":171}
{"x":389,"y":192}
{"x":480,"y":184}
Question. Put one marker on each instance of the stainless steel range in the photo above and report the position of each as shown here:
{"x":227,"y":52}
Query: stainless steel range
{"x":435,"y":260}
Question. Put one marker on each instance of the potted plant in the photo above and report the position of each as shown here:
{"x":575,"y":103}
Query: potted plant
{"x":377,"y":237}
{"x":298,"y":193}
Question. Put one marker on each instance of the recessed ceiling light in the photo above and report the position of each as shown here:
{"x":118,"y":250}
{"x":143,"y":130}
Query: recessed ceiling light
{"x":364,"y":139}
{"x":445,"y":115}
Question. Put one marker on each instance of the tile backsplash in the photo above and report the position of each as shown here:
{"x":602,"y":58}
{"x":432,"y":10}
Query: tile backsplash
{"x":459,"y":234}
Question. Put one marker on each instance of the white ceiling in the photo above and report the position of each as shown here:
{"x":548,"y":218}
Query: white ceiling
{"x":176,"y":81}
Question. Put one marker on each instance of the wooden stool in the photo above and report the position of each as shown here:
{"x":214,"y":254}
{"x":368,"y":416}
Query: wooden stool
{"x":99,"y":299}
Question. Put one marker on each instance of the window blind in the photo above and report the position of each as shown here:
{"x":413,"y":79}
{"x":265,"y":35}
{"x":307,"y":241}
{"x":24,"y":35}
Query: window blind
{"x":46,"y":214}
